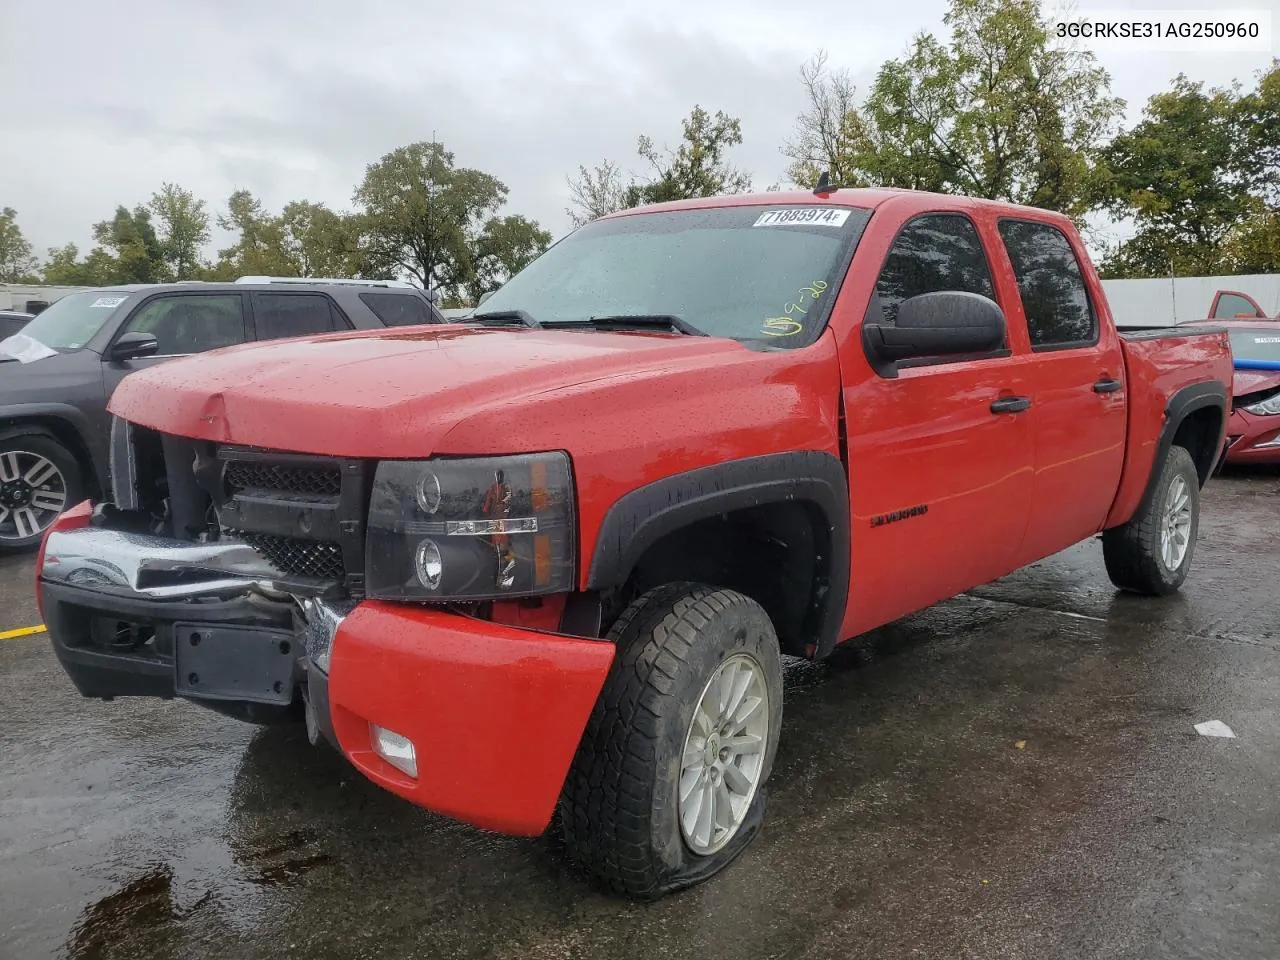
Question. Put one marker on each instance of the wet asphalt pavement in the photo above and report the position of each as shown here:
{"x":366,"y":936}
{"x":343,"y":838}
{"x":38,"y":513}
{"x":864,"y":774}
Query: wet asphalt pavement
{"x":1013,"y":773}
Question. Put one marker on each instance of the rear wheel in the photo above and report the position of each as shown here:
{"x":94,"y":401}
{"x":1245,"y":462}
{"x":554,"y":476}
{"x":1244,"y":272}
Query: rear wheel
{"x":1152,"y":553}
{"x":667,"y":786}
{"x":39,"y":478}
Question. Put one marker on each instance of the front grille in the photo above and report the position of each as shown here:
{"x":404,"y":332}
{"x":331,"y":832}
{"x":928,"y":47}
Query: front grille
{"x":321,"y":559}
{"x":311,"y":481}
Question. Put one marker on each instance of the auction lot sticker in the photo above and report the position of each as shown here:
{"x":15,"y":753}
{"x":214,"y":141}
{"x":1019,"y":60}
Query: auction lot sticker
{"x":810,"y":216}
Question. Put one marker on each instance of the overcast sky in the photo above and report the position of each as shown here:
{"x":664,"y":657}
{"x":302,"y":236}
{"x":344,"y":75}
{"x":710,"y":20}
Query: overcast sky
{"x":290,"y":99}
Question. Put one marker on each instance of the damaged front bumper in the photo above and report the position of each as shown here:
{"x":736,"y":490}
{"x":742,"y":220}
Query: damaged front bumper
{"x":132,"y":615}
{"x":494,"y":713}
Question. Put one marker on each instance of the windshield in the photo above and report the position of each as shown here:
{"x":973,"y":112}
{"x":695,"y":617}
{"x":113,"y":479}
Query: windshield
{"x":1255,"y":344}
{"x":70,"y":322}
{"x":748,"y":273}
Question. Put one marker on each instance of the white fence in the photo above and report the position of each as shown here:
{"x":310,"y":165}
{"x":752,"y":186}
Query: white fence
{"x":1147,"y":303}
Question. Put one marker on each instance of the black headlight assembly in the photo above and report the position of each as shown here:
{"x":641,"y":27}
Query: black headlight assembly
{"x":471,"y":529}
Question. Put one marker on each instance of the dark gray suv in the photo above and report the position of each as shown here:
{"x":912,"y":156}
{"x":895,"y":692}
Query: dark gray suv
{"x":58,"y":373}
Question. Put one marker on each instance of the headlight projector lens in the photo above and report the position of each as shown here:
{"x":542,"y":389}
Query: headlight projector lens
{"x":430,"y":564}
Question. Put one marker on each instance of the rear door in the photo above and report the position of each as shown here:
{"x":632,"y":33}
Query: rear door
{"x":292,"y":314}
{"x":940,"y":455}
{"x":1078,"y":412}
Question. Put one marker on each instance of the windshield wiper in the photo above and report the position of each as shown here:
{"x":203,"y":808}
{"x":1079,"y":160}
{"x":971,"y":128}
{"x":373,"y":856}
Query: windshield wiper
{"x":499,"y":317}
{"x":632,"y":321}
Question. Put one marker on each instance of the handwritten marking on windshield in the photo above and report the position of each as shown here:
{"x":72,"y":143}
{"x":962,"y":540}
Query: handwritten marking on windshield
{"x":788,"y":326}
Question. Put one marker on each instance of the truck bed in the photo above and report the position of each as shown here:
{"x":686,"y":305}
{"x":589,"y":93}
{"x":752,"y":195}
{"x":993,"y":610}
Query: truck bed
{"x":1160,"y":333}
{"x":1159,"y":362}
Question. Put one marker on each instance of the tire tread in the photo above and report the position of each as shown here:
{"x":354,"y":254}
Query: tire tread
{"x":606,"y":802}
{"x":1131,"y":551}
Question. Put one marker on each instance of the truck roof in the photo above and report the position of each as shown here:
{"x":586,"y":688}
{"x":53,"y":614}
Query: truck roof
{"x":867,"y":198}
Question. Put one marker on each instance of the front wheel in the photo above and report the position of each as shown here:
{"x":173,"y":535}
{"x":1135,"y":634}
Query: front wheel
{"x":667,"y":786}
{"x":39,"y":478}
{"x":1152,"y":553}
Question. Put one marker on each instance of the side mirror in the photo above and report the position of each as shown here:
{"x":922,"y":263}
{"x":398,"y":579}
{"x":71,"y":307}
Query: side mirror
{"x":131,"y":346}
{"x":485,"y":296}
{"x":948,"y":323}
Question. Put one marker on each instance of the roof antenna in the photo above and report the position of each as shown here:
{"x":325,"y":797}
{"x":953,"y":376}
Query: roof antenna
{"x":824,"y":183}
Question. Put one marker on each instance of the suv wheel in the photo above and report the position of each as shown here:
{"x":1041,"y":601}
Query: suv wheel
{"x":39,"y":478}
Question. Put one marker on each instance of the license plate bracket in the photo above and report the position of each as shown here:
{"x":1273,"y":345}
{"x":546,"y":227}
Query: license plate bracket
{"x":252,"y":664}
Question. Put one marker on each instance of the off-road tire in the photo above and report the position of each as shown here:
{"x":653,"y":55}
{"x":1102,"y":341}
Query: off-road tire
{"x":43,"y":444}
{"x":619,"y":808}
{"x":1132,"y":551}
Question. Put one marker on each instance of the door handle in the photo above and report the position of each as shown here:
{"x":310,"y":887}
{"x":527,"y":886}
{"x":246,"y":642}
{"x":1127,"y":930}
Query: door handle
{"x":1107,"y":385}
{"x":1010,"y":404}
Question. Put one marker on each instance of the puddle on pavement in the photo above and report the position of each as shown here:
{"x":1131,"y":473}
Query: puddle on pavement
{"x":144,"y":903}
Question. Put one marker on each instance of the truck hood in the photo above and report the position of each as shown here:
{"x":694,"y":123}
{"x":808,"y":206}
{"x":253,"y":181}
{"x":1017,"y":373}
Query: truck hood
{"x":395,"y":393}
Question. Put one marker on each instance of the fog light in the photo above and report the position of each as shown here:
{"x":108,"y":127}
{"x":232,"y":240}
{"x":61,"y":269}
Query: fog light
{"x":395,"y":749}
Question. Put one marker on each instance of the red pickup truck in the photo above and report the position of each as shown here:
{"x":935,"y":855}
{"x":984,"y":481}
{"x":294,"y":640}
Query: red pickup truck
{"x":550,"y":559}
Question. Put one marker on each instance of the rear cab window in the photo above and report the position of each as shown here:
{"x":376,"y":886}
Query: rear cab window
{"x":398,"y":309}
{"x":1055,"y":299}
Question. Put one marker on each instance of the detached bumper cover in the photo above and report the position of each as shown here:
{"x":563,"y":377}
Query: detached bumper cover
{"x":495,"y":713}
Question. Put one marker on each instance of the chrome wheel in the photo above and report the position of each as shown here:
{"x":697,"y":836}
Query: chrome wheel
{"x":724,"y":751}
{"x":1175,"y":530}
{"x":33,"y":492}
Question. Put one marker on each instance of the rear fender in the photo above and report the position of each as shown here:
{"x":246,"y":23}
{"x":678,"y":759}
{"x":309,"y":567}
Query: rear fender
{"x":1184,"y":403}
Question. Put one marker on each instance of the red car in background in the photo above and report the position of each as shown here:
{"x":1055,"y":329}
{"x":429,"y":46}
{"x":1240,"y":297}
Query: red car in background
{"x":1253,"y":430}
{"x":1234,"y":305}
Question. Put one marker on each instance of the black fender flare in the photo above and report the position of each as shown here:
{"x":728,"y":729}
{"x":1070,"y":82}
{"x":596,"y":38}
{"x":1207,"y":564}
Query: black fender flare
{"x":1197,"y":396}
{"x":72,"y":417}
{"x":642,"y":517}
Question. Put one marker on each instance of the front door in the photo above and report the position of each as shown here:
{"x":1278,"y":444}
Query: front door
{"x":940,"y":457}
{"x":183,"y":323}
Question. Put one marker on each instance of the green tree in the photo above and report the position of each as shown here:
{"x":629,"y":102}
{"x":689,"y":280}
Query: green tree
{"x":64,"y":268}
{"x":698,"y":167}
{"x":259,"y":249}
{"x":128,"y":249}
{"x":505,"y":246}
{"x":596,"y":192}
{"x":1254,"y":246}
{"x":1198,"y":176}
{"x":1000,"y":111}
{"x":320,"y":242}
{"x":423,"y":215}
{"x":184,"y":229}
{"x":17,"y":264}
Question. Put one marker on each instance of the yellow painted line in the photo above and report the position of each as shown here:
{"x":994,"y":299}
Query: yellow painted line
{"x":21,"y":632}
